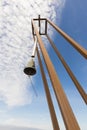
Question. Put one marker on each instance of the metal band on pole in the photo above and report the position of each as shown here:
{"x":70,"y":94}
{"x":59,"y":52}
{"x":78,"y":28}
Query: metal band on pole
{"x":77,"y":84}
{"x":48,"y":96}
{"x":78,"y":47}
{"x":67,"y":113}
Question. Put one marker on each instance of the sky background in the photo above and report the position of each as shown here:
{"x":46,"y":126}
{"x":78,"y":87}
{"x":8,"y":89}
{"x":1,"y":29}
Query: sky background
{"x":19,"y":106}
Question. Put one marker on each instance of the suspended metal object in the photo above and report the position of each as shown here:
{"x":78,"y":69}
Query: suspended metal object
{"x":30,"y":68}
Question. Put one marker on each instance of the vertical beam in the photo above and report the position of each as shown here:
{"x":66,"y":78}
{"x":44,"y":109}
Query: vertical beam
{"x":45,"y":27}
{"x":39,"y":23}
{"x":79,"y":48}
{"x":66,"y":111}
{"x":48,"y":96}
{"x":34,"y":48}
{"x":79,"y":87}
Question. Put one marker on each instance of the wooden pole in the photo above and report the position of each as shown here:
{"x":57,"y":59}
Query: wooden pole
{"x":79,"y":48}
{"x":77,"y":84}
{"x":66,"y":111}
{"x":48,"y":96}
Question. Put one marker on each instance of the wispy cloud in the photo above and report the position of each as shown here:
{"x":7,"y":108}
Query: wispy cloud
{"x":16,"y":44}
{"x":26,"y":123}
{"x":16,"y":128}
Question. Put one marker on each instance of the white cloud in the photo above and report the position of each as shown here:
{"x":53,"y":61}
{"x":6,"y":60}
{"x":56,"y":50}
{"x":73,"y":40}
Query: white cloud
{"x":17,"y":122}
{"x":27,"y":123}
{"x":16,"y":128}
{"x":16,"y":44}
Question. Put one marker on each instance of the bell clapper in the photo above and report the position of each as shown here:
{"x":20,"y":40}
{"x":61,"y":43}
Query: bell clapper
{"x":33,"y":86}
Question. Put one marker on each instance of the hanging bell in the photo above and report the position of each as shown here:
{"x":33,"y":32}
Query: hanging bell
{"x":30,"y":69}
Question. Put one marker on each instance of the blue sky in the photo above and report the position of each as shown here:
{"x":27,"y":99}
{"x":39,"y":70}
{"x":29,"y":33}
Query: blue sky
{"x":73,"y":22}
{"x":18,"y":104}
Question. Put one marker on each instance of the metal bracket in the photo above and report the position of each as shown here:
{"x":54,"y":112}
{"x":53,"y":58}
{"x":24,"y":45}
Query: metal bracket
{"x":39,"y":19}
